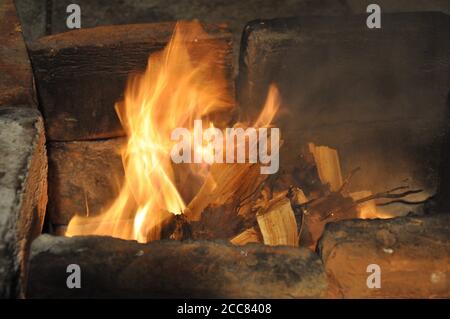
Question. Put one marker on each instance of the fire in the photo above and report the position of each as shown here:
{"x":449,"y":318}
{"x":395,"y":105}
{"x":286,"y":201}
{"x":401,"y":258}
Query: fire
{"x":181,"y":83}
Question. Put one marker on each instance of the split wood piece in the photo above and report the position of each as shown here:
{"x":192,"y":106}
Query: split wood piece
{"x":225,"y":182}
{"x":251,"y":235}
{"x":297,"y":198}
{"x":218,"y":222}
{"x":262,"y":203}
{"x":277,"y":224}
{"x":328,"y":165}
{"x":299,"y":172}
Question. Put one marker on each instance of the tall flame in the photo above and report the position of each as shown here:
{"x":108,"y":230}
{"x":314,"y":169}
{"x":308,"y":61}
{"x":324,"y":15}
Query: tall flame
{"x":182,"y":83}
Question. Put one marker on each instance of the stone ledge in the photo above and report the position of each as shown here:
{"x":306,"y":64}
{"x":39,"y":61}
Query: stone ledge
{"x":23,"y":193}
{"x":115,"y":268}
{"x":81,"y":74}
{"x":413,"y":254}
{"x":85,"y":175}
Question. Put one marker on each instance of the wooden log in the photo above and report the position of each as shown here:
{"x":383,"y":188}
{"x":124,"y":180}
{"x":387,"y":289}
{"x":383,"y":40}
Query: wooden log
{"x":81,"y":74}
{"x":237,"y":184}
{"x":117,"y":268}
{"x":299,"y":196}
{"x":217,"y":222}
{"x":328,"y":165}
{"x":277,"y":224}
{"x":251,"y":235}
{"x":225,"y":182}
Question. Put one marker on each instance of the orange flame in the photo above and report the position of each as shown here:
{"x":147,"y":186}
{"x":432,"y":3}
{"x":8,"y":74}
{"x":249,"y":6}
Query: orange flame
{"x":182,"y":83}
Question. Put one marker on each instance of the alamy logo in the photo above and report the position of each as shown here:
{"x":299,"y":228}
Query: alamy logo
{"x":190,"y":147}
{"x":374,"y":19}
{"x":74,"y":279}
{"x":73,"y":21}
{"x":374,"y":279}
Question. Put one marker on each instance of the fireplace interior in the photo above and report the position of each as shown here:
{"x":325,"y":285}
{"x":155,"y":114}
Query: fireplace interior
{"x":364,"y":168}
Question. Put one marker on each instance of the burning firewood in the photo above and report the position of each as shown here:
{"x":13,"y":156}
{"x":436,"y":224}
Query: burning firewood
{"x":297,"y":198}
{"x":251,"y":235}
{"x":218,"y":222}
{"x":337,"y":206}
{"x":236,"y":183}
{"x":317,"y":213}
{"x":367,"y":209}
{"x":177,"y":227}
{"x":273,"y":222}
{"x":328,"y":165}
{"x":225,"y":182}
{"x":237,"y":203}
{"x":335,"y":203}
{"x":277,"y":223}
